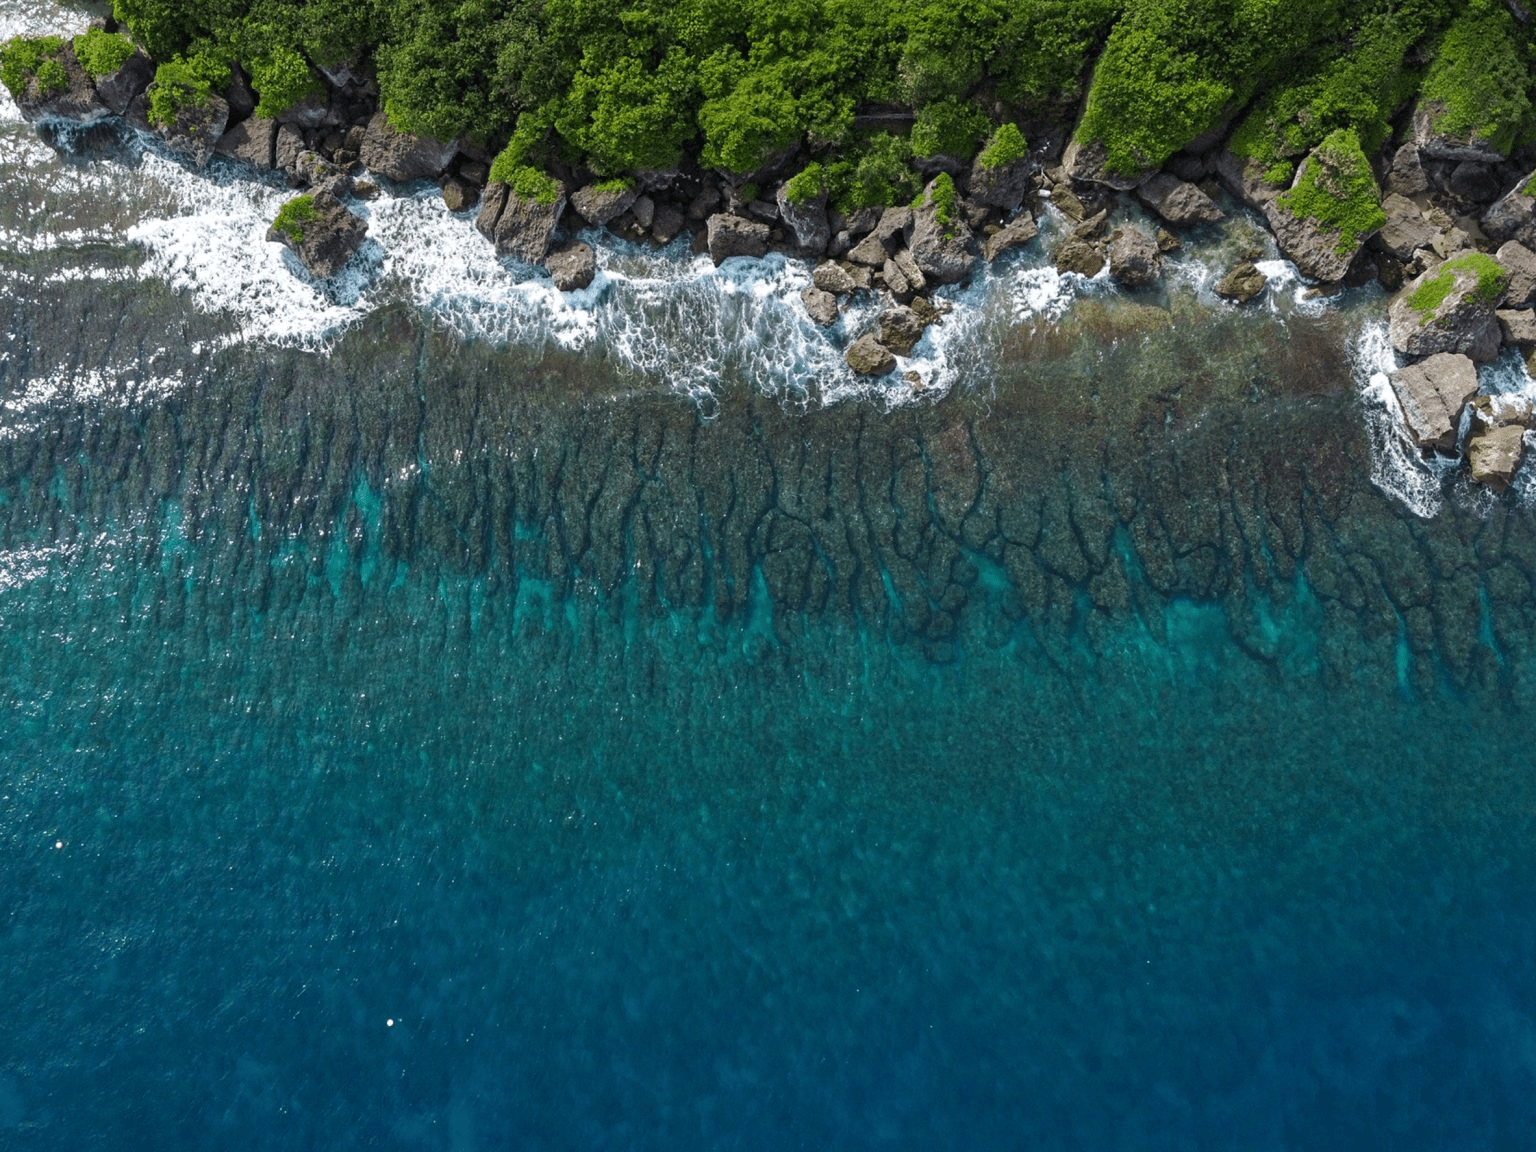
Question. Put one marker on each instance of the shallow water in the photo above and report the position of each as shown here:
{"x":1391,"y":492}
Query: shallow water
{"x":434,"y":723}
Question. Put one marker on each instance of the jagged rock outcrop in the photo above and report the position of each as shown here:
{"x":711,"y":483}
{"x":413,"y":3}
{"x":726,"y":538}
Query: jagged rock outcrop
{"x":1496,"y":440}
{"x":1244,"y":178}
{"x":1089,"y":162}
{"x":943,"y":249}
{"x":252,"y":142}
{"x":730,"y":236}
{"x":119,"y":89}
{"x":573,"y":267}
{"x":1520,"y":263}
{"x":1325,"y":218}
{"x":1178,"y":202}
{"x":77,"y":99}
{"x":820,"y":305}
{"x":1406,"y":176}
{"x":320,"y":230}
{"x":807,"y":220}
{"x":1449,"y":308}
{"x":1406,"y":229}
{"x":900,"y":329}
{"x":1134,"y":259}
{"x":1517,"y":326}
{"x":1434,"y":142}
{"x":1078,"y":256}
{"x":196,"y":128}
{"x":868,"y":357}
{"x":832,"y":277}
{"x":519,"y":226}
{"x":402,"y":157}
{"x":1014,"y":234}
{"x":1003,"y":186}
{"x":598,"y":204}
{"x":1513,"y":216}
{"x":1431,"y":394}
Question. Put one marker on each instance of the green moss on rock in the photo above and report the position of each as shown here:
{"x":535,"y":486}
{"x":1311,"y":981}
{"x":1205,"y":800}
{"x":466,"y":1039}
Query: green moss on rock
{"x":1338,"y":190}
{"x":182,"y":83}
{"x":1477,"y":85}
{"x":1006,"y":146}
{"x":809,"y":184}
{"x":102,"y":53}
{"x":1491,"y":281}
{"x":293,"y":215}
{"x":21,"y":57}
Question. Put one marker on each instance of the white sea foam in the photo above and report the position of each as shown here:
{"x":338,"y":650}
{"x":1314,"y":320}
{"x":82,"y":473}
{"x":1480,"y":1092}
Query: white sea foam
{"x":1397,"y":467}
{"x":40,"y":400}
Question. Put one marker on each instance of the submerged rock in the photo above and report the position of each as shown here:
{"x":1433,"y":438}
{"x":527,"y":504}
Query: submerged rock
{"x":320,"y":230}
{"x":1178,"y":202}
{"x":868,"y":357}
{"x":1242,"y":283}
{"x":1449,"y":308}
{"x":1431,"y":394}
{"x":573,"y":267}
{"x":736,"y":236}
{"x":1134,"y":259}
{"x":401,"y":156}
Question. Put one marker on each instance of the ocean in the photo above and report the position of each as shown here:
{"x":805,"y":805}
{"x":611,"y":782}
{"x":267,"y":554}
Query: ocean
{"x":443,"y":715}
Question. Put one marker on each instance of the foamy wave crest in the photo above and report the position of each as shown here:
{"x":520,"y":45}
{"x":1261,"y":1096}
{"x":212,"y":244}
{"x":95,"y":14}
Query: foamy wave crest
{"x":1397,"y":467}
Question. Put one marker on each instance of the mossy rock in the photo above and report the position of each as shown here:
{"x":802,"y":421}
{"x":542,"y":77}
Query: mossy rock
{"x":1331,"y":209}
{"x":1450,"y":308}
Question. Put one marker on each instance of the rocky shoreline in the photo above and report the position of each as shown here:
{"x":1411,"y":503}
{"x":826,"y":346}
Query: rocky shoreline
{"x":1447,"y":224}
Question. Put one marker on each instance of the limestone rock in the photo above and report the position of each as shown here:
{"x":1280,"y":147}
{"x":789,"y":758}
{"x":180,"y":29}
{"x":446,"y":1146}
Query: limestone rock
{"x":1242,"y":283}
{"x":862,"y":221}
{"x":1078,"y":256}
{"x":868,"y":357}
{"x":1474,"y":181}
{"x":644,"y":210}
{"x":1406,"y":229}
{"x":896,"y":281}
{"x":821,"y":305}
{"x":1513,"y":216}
{"x":1494,"y":455}
{"x":311,"y":168}
{"x":907,"y":264}
{"x":327,"y":239}
{"x":314,"y":111}
{"x":1317,"y":249}
{"x":1134,"y":260}
{"x":1004,"y":186}
{"x":459,"y":195}
{"x":943,"y":250}
{"x":1461,"y":322}
{"x":1167,"y":242}
{"x":1431,"y":394}
{"x":1178,"y":202}
{"x":572,"y":267}
{"x":736,"y":236}
{"x":519,"y":226}
{"x":704,"y":204}
{"x":893,"y":224}
{"x":1517,"y":326}
{"x":667,"y":222}
{"x":1243,"y":177}
{"x":241,"y":100}
{"x":831,"y":277}
{"x":1520,"y":262}
{"x":807,"y":220}
{"x":402,"y":157}
{"x":119,"y":89}
{"x":901,"y":329}
{"x":196,"y":129}
{"x":1067,"y":203}
{"x":1406,"y":176}
{"x":1088,"y":161}
{"x":251,"y":142}
{"x":78,"y":100}
{"x":870,"y":252}
{"x":286,"y":147}
{"x":598,"y":205}
{"x":1094,"y":227}
{"x":1439,"y":145}
{"x":1014,"y":234}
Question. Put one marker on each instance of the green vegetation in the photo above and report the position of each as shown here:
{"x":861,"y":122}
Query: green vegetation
{"x":875,"y":171}
{"x":181,"y":84}
{"x":622,"y":184}
{"x":102,"y":53}
{"x":949,"y":127}
{"x":531,"y":184}
{"x":1338,"y":191}
{"x":810,"y":184}
{"x":22,"y":57}
{"x":1491,"y":281}
{"x":1480,"y":79}
{"x":282,"y":78}
{"x":942,"y":194}
{"x":1006,"y":146}
{"x":293,"y":215}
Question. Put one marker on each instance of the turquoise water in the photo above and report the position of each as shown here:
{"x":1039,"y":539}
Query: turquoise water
{"x":419,"y":747}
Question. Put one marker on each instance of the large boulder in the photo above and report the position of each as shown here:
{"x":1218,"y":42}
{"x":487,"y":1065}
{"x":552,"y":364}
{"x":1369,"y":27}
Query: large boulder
{"x":597,"y":204}
{"x":1001,"y":185}
{"x":573,"y":267}
{"x":1014,"y":234}
{"x":1519,"y":263}
{"x":1496,"y":440}
{"x":1450,"y":308}
{"x":820,"y":305}
{"x":118,"y":89}
{"x":286,"y":147}
{"x":1078,"y":256}
{"x":1242,"y":283}
{"x":252,"y":142}
{"x":900,"y":330}
{"x":320,"y":230}
{"x":59,"y":89}
{"x":195,"y":128}
{"x":870,"y":252}
{"x":1431,"y":394}
{"x":520,"y":226}
{"x":1178,"y":202}
{"x":940,"y":241}
{"x":403,"y":157}
{"x":1089,"y":161}
{"x":1406,"y":229}
{"x":1517,"y":326}
{"x":1513,"y":216}
{"x":730,"y":235}
{"x":1406,"y":175}
{"x":868,"y":357}
{"x":1134,"y":259}
{"x":1432,"y":140}
{"x":1332,"y":208}
{"x":807,"y":219}
{"x":834,"y":278}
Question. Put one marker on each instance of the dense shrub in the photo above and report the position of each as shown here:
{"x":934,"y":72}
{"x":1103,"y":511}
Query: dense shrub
{"x":183,"y":83}
{"x":1006,"y":146}
{"x":875,"y":171}
{"x":809,"y":184}
{"x":22,"y":57}
{"x":1478,"y":83}
{"x":282,"y":79}
{"x":102,"y":53}
{"x":293,"y":215}
{"x":949,"y":127}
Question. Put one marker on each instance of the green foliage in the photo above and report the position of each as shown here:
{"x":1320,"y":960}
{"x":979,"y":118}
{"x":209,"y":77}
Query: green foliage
{"x":748,"y":192}
{"x":808,"y":185}
{"x":942,"y":194}
{"x":1491,"y":281}
{"x":949,"y":127}
{"x":184,"y":83}
{"x":873,"y":172}
{"x":621,"y":184}
{"x":21,"y":57}
{"x":1479,"y":79}
{"x":1006,"y":146}
{"x":293,"y":215}
{"x":102,"y":53}
{"x":1338,"y":190}
{"x":531,"y":184}
{"x":52,"y":77}
{"x":282,"y":78}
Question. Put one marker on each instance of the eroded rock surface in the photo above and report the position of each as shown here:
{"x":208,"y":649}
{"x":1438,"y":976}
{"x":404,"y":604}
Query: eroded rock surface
{"x":1431,"y":394}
